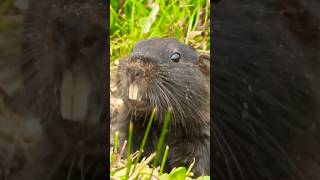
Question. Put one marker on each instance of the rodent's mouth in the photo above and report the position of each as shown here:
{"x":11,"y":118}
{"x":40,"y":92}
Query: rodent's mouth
{"x":136,"y":97}
{"x":134,"y":94}
{"x":77,"y":99}
{"x":75,"y":93}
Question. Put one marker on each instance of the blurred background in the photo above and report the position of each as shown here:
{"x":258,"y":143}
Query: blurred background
{"x":131,"y":21}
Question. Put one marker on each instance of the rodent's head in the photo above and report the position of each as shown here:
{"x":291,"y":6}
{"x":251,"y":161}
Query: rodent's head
{"x":163,"y":73}
{"x":64,"y":58}
{"x":64,"y":76}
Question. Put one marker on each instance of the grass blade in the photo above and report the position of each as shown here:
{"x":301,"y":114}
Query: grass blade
{"x":162,"y":137}
{"x":129,"y":160}
{"x":144,"y":140}
{"x":164,"y":159}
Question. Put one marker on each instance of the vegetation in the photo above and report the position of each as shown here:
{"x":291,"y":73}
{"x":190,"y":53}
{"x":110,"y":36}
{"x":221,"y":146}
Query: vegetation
{"x":9,"y":16}
{"x":134,"y":20}
{"x":5,"y":5}
{"x":147,"y":168}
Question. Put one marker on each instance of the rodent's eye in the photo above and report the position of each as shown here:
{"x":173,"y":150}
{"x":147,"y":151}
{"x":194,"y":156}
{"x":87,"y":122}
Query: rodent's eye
{"x":175,"y":57}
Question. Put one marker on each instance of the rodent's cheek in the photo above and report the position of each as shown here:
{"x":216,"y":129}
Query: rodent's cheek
{"x":143,"y":86}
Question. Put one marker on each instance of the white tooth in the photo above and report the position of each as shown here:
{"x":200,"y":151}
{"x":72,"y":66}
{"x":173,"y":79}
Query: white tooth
{"x":139,"y":98}
{"x":130,"y":91}
{"x":82,"y":92}
{"x":66,"y":95}
{"x":133,"y":92}
{"x":75,"y":93}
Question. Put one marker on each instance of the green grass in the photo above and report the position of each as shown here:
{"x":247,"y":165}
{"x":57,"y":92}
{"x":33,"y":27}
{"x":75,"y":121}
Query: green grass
{"x":146,"y":169}
{"x":134,"y":20}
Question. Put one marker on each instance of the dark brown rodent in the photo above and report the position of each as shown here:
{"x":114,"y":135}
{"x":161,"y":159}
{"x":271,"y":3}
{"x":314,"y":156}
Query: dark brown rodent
{"x":64,"y":55}
{"x":163,"y":73}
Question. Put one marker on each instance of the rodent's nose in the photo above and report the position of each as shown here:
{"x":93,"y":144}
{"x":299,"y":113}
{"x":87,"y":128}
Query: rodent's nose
{"x":134,"y":74}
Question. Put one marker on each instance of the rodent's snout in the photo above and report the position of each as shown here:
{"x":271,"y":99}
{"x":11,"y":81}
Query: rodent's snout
{"x":137,"y":74}
{"x":134,"y":74}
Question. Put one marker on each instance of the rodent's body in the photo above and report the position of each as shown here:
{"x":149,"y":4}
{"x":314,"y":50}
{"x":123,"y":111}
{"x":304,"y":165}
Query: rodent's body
{"x":149,"y":79}
{"x":64,"y":85}
{"x":266,"y":90}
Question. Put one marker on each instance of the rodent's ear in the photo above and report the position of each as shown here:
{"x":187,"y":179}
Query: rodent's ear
{"x":203,"y":63}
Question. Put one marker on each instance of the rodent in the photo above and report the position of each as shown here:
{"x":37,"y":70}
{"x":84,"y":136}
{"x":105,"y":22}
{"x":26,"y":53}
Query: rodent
{"x":63,"y":66}
{"x":163,"y":73}
{"x":266,"y":90}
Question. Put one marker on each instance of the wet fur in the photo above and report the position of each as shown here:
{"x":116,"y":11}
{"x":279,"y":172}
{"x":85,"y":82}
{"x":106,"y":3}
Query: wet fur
{"x":266,"y":90}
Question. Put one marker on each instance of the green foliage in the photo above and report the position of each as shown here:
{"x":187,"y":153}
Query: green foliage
{"x":124,"y":169}
{"x":145,"y":137}
{"x":6,"y":4}
{"x":178,"y":173}
{"x":134,"y":20}
{"x":162,"y":138}
{"x":9,"y":21}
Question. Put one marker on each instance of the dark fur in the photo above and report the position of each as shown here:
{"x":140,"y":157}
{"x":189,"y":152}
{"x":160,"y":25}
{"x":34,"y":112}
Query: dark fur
{"x":60,"y":35}
{"x":266,"y":90}
{"x":183,"y":86}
